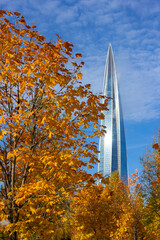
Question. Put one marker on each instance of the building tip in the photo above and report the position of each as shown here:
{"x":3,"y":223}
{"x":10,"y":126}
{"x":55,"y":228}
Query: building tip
{"x":110,"y":45}
{"x":110,"y":51}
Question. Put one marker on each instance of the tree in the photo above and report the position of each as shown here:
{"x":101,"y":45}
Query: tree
{"x":44,"y":113}
{"x":151,"y":189}
{"x":140,"y":218}
{"x":91,"y":218}
{"x":99,"y":209}
{"x":130,"y":225}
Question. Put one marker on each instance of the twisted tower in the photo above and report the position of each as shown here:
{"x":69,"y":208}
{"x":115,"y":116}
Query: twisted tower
{"x":112,"y":145}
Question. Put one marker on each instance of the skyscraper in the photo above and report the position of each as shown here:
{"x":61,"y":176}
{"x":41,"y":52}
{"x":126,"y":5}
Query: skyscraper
{"x":112,"y":145}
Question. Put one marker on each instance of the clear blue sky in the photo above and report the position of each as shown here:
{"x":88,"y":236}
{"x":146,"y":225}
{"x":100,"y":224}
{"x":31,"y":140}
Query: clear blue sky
{"x":133,"y":28}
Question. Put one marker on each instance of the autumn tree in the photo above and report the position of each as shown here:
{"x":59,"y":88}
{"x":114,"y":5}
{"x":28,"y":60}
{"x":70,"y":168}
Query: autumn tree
{"x":130,"y":225}
{"x":44,"y":113}
{"x":98,"y":210}
{"x":109,"y":211}
{"x":150,"y":180}
{"x":141,"y":217}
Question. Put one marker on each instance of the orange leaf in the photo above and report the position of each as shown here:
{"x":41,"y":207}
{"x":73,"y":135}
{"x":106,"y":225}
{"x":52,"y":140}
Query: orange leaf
{"x":1,"y":119}
{"x":78,"y":55}
{"x":155,"y":146}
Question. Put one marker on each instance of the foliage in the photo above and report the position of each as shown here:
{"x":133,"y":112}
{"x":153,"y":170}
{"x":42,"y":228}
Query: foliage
{"x":44,"y":113}
{"x":109,"y":212}
{"x":151,"y":189}
{"x":98,"y":209}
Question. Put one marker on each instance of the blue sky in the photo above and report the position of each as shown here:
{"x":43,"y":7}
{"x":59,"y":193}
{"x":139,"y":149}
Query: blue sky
{"x":133,"y":28}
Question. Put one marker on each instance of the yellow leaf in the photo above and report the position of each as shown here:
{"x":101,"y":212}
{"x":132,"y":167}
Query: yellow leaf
{"x":79,"y":76}
{"x":43,"y":120}
{"x":1,"y":119}
{"x":50,"y":134}
{"x":4,"y":132}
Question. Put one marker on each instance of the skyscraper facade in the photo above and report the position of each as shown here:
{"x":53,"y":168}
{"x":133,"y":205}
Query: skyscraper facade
{"x":112,"y":145}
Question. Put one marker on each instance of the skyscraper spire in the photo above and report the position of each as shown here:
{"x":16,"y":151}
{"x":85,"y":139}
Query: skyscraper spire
{"x":112,"y":145}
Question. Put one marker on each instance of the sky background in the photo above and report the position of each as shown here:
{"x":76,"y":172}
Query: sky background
{"x":133,"y":28}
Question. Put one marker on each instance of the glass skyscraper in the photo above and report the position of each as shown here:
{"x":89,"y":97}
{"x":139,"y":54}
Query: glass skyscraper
{"x":112,"y":145}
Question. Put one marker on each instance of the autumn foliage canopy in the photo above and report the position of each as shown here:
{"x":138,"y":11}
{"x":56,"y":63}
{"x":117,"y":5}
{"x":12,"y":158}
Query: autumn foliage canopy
{"x":44,"y":113}
{"x":48,"y":121}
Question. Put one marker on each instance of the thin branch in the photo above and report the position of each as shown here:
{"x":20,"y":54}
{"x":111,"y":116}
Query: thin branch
{"x":25,"y":174}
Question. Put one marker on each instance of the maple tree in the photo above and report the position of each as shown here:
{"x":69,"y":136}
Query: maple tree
{"x":44,"y":113}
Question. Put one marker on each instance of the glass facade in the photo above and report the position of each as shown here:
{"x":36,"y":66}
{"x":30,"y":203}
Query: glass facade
{"x":112,"y":145}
